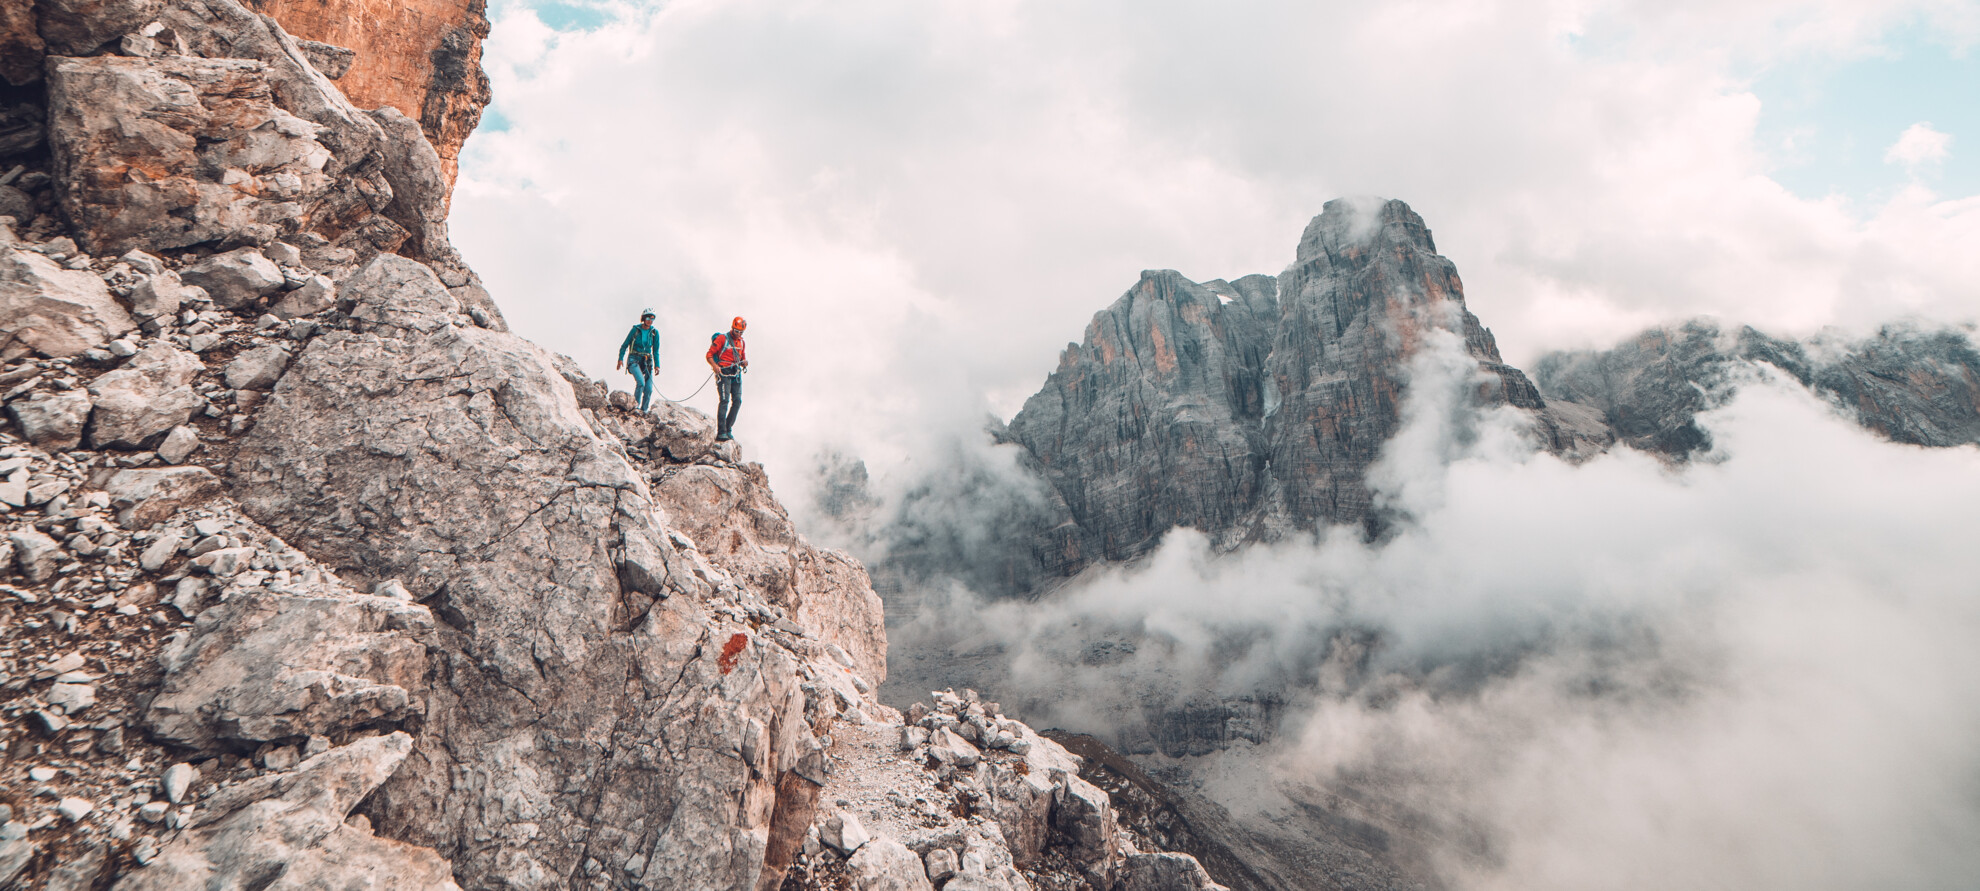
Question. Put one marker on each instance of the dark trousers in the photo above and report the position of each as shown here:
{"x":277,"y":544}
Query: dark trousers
{"x":728,"y":388}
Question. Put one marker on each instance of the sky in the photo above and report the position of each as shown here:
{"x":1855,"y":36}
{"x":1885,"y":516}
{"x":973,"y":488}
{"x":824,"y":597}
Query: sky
{"x":918,"y":204}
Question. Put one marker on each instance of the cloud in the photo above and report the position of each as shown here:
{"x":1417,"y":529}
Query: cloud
{"x":1750,"y":672}
{"x":1919,"y":144}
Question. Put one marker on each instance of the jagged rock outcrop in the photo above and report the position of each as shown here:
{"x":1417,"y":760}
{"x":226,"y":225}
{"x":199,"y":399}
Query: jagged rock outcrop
{"x":422,"y":58}
{"x":229,"y":136}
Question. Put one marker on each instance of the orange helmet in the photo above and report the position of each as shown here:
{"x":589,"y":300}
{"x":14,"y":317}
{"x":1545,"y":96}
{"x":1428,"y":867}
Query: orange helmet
{"x":738,"y":324}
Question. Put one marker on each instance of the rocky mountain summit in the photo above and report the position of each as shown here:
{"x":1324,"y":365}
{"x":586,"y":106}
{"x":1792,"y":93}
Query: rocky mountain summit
{"x":316,"y":576}
{"x":1253,"y":408}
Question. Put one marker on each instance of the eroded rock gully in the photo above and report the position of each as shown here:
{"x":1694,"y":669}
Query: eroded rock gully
{"x":315,"y":576}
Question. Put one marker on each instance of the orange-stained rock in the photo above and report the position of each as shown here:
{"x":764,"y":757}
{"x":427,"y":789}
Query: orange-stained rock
{"x":422,"y":57}
{"x":20,"y":44}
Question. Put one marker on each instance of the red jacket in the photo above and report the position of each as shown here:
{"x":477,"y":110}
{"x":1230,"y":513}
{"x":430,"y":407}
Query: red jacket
{"x":726,"y":354}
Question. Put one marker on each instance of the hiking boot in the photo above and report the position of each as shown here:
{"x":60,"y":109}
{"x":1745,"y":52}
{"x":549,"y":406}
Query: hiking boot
{"x":723,"y":436}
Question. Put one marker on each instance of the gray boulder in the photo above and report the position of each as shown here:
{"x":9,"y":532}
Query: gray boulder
{"x":161,"y":293}
{"x":143,"y":400}
{"x":887,"y":865}
{"x":142,"y":262}
{"x":1165,"y":872}
{"x":315,"y":296}
{"x":236,"y":278}
{"x":52,"y":420}
{"x":258,"y":368}
{"x":48,"y":310}
{"x":681,"y":433}
{"x":842,"y":830}
{"x":16,"y":203}
{"x":178,"y":445}
{"x":395,"y":292}
{"x":143,"y":496}
{"x":288,"y":831}
{"x":36,"y":553}
{"x":264,"y":667}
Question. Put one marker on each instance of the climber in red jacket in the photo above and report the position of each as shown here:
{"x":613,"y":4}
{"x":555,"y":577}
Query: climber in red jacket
{"x":726,"y":357}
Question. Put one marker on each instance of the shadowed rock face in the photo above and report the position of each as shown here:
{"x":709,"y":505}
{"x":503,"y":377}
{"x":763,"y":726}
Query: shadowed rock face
{"x":1366,"y":287}
{"x":1251,"y":408}
{"x":1157,"y":419}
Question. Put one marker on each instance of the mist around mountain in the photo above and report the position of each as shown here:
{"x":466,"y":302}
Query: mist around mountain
{"x":1691,"y":611}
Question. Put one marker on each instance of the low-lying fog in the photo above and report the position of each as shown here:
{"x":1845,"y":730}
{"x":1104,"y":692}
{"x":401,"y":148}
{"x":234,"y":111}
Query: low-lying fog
{"x":1755,"y":671}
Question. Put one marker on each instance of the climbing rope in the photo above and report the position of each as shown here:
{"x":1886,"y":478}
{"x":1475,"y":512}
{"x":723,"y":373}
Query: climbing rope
{"x":697,"y":390}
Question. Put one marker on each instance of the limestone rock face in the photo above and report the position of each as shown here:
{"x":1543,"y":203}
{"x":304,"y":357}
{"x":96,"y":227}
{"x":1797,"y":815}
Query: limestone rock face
{"x":731,"y":518}
{"x":167,"y":153}
{"x":51,"y":311}
{"x":455,"y":458}
{"x":238,"y":142}
{"x":422,"y":59}
{"x":261,"y":668}
{"x":288,"y":831}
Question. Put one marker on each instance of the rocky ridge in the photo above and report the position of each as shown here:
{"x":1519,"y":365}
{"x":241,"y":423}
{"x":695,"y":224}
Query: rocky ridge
{"x":195,"y":684}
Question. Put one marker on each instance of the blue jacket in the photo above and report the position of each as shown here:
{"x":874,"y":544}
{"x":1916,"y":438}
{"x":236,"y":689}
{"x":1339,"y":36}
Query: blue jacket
{"x":642,"y":341}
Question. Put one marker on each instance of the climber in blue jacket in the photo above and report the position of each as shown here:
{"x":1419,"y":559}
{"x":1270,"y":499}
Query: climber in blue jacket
{"x":643,"y":343}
